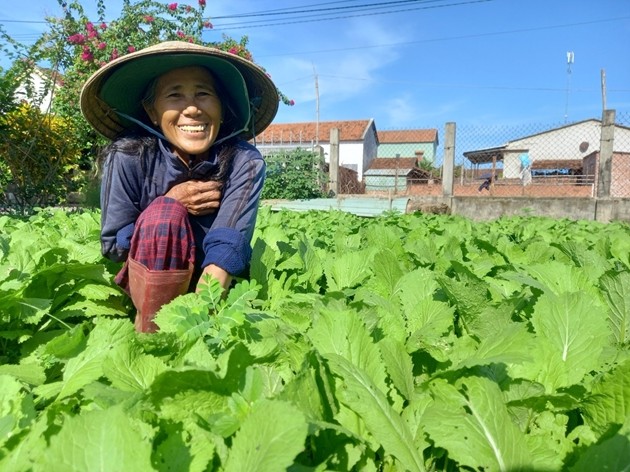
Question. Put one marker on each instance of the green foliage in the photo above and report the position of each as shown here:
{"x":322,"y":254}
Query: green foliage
{"x":293,"y":175}
{"x":38,"y":168}
{"x":403,"y":342}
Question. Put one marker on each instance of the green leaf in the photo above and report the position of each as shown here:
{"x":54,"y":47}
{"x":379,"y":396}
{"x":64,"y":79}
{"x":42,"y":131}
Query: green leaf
{"x":342,"y":332}
{"x":347,"y":270}
{"x":358,"y":391}
{"x":616,"y":290}
{"x":129,"y":370}
{"x":88,"y":365}
{"x":98,"y":441}
{"x":269,"y":439}
{"x":473,"y":424}
{"x":187,"y":316}
{"x":609,"y":402}
{"x":572,"y":333}
{"x":399,"y":366}
{"x":613,"y":453}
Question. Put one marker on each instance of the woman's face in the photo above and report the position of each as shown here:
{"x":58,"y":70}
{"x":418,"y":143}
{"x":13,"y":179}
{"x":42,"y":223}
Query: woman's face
{"x":187,"y":109}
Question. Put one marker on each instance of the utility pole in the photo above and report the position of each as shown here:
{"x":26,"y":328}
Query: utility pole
{"x":316,"y":107}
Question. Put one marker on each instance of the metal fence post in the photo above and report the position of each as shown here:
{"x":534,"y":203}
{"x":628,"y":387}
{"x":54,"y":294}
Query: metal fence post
{"x":449,"y":159}
{"x":334,"y":161}
{"x":606,"y":146}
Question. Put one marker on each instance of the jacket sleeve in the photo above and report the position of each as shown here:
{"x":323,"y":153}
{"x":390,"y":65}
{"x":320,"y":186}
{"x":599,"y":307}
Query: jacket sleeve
{"x":120,"y":204}
{"x":228,"y":242}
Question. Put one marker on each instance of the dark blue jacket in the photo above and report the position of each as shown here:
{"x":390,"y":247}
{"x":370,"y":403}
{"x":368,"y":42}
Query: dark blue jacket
{"x":130,"y":183}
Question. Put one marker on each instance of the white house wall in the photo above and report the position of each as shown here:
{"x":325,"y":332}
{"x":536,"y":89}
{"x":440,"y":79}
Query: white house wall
{"x":41,"y":87}
{"x":562,"y":143}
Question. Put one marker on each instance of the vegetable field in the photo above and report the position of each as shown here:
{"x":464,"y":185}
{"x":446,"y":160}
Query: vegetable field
{"x":404,"y":342}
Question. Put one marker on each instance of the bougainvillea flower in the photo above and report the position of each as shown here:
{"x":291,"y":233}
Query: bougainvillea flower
{"x":101,"y":45}
{"x":172,"y":6}
{"x":202,"y":3}
{"x":207,"y":24}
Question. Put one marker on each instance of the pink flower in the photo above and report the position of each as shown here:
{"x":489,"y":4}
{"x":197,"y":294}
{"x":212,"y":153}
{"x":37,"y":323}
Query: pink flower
{"x":149,"y":18}
{"x":181,"y":34}
{"x":114,"y":54}
{"x":291,"y":102}
{"x":202,"y":3}
{"x":103,"y":26}
{"x":87,"y":55}
{"x":188,"y":8}
{"x":172,"y":6}
{"x":76,"y":39}
{"x":207,"y":24}
{"x":92,"y":34}
{"x":233,"y":50}
{"x":101,"y":45}
{"x":131,"y":48}
{"x":89,"y":26}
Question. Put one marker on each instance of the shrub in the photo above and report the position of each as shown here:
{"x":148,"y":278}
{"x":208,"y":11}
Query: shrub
{"x":294,"y":175}
{"x":39,"y":163}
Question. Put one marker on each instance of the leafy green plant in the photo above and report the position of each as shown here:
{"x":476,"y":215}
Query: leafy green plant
{"x":404,"y":342}
{"x":295,"y":174}
{"x":39,"y":168}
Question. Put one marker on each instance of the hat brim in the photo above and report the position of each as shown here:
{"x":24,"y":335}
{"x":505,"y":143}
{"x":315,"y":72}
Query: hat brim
{"x":121,"y":85}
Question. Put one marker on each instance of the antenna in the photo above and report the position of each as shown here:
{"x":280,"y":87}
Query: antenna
{"x":570,"y":60}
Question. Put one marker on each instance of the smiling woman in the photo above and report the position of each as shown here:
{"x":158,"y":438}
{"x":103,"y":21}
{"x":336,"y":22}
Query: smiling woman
{"x":180,"y":184}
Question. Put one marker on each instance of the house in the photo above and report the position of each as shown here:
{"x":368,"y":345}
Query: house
{"x":408,"y":143}
{"x":395,"y":175}
{"x":39,"y":88}
{"x":556,"y":151}
{"x":358,"y":141}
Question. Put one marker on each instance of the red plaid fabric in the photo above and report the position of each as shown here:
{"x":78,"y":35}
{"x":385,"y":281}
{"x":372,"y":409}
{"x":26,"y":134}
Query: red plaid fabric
{"x":162,"y":239}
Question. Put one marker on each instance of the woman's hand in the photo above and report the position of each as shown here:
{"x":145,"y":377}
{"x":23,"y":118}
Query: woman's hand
{"x":199,"y":197}
{"x":215,"y":272}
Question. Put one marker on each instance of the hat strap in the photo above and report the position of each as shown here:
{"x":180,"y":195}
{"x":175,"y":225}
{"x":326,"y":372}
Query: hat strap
{"x":253,"y":107}
{"x":151,"y":130}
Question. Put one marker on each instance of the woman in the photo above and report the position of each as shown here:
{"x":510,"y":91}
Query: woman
{"x":181,"y":185}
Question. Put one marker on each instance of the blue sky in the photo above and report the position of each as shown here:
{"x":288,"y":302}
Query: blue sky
{"x":420,"y":64}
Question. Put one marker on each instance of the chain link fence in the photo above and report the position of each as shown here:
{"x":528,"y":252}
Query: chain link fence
{"x":535,"y":160}
{"x":532,"y":160}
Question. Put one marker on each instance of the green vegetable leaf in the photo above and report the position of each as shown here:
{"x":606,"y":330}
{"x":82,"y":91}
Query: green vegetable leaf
{"x":609,"y":402}
{"x":616,"y":289}
{"x":473,"y":424}
{"x":98,"y":441}
{"x":359,"y":393}
{"x":269,"y":439}
{"x":572,"y":333}
{"x":128,"y":369}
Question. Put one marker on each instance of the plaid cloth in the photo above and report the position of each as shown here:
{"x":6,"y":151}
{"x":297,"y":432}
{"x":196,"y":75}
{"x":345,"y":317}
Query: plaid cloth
{"x":163,"y":239}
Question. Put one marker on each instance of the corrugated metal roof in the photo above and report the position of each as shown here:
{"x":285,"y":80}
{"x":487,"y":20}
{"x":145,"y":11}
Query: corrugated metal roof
{"x":388,"y":172}
{"x":370,"y":207}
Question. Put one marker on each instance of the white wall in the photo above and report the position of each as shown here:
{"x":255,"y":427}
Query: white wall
{"x":42,"y":90}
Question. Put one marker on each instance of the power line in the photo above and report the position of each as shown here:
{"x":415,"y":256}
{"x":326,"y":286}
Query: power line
{"x":450,"y":38}
{"x":317,"y":17}
{"x":293,"y":11}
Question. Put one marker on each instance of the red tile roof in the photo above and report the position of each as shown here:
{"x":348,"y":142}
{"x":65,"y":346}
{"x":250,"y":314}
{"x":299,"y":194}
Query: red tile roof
{"x":306,"y":132}
{"x":408,"y":136}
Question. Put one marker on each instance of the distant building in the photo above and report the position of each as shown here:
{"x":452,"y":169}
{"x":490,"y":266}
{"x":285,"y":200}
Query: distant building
{"x":562,"y":149}
{"x":395,"y":175}
{"x":408,"y":143}
{"x":358,"y":141}
{"x":39,"y":88}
